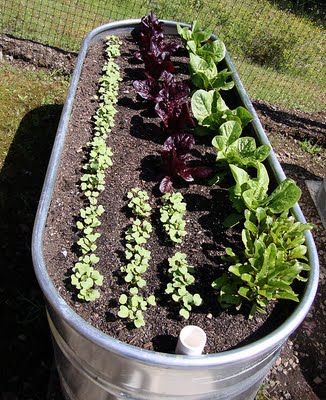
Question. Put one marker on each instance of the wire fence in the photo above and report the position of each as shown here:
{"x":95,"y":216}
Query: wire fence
{"x":278,"y":46}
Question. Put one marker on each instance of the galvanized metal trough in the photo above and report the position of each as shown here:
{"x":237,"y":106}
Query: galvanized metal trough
{"x":95,"y":366}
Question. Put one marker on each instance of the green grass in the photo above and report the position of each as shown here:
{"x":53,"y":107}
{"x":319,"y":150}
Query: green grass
{"x":280,"y":50}
{"x":21,"y":91}
{"x":289,"y":92}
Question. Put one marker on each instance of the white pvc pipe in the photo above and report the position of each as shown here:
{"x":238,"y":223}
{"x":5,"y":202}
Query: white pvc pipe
{"x":191,"y":341}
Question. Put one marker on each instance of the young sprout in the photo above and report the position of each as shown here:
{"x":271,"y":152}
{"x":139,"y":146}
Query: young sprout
{"x":172,"y":215}
{"x":132,"y":307}
{"x":181,"y":278}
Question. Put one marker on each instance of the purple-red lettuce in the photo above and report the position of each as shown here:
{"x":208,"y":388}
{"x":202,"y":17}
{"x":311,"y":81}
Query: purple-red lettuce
{"x":157,"y":58}
{"x":150,"y":27}
{"x":148,"y":88}
{"x":175,"y":161}
{"x":171,"y":98}
{"x":154,"y":51}
{"x":172,"y":104}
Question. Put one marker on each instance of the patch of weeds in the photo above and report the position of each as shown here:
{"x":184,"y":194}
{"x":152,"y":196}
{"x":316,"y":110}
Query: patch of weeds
{"x":309,"y":147}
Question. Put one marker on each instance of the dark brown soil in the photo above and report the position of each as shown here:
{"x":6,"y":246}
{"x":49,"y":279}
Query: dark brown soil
{"x":136,"y":141}
{"x":25,"y":51}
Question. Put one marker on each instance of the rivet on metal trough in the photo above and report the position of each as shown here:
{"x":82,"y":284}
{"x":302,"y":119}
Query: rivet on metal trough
{"x":191,"y":342}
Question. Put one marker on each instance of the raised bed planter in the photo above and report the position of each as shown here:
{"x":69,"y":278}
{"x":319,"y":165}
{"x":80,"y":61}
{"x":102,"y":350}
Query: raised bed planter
{"x":93,"y":365}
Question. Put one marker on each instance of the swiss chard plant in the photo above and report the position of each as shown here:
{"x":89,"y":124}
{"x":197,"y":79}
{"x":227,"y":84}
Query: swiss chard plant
{"x":85,"y":277}
{"x":182,"y":277}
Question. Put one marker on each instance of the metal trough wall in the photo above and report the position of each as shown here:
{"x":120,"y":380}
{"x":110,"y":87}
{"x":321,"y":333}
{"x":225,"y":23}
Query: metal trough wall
{"x":94,"y":366}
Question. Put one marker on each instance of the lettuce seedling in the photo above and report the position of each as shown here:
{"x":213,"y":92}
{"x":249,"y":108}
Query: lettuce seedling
{"x":172,"y":216}
{"x":85,"y":277}
{"x":132,"y":307}
{"x":139,"y":262}
{"x":138,"y":232}
{"x":182,"y":277}
{"x":138,"y":258}
{"x":139,"y":202}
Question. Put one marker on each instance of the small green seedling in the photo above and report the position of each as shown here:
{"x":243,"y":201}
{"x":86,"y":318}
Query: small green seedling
{"x":172,"y":216}
{"x":181,"y":278}
{"x":139,"y":203}
{"x":132,"y":307}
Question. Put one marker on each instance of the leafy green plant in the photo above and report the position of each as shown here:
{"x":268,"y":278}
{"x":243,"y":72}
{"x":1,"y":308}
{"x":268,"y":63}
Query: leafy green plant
{"x":139,"y":202}
{"x":204,"y":53}
{"x":195,"y":34}
{"x":138,"y":232}
{"x":211,"y":112}
{"x":199,"y":41}
{"x":274,"y":256}
{"x":84,"y":276}
{"x":204,"y":74}
{"x":182,"y":277}
{"x":132,"y":307}
{"x":252,"y":193}
{"x":310,"y":148}
{"x":172,"y":216}
{"x":139,"y":261}
{"x":240,"y":151}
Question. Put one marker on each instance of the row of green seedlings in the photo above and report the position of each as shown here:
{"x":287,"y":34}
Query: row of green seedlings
{"x":132,"y":306}
{"x":274,"y":253}
{"x":85,"y":277}
{"x":172,"y":215}
{"x":172,"y":212}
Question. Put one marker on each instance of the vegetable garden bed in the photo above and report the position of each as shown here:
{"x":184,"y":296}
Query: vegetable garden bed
{"x":136,"y":141}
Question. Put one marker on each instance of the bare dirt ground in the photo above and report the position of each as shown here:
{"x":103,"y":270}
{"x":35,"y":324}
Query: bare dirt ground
{"x":25,"y":347}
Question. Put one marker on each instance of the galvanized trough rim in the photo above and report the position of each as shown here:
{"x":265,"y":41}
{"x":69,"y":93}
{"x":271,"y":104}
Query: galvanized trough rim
{"x":269,"y":342}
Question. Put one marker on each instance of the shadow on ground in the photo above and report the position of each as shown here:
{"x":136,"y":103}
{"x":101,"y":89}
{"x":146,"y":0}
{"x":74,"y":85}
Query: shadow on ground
{"x":25,"y":347}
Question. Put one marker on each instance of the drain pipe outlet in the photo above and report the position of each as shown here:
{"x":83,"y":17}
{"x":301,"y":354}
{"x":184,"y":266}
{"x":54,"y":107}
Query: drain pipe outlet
{"x":191,"y":342}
